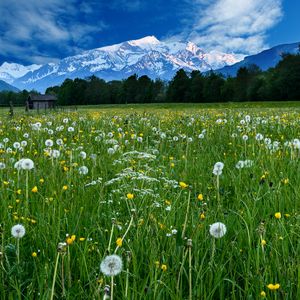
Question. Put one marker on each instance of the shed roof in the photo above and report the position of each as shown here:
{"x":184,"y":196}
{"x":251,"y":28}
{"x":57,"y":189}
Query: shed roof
{"x":43,"y":98}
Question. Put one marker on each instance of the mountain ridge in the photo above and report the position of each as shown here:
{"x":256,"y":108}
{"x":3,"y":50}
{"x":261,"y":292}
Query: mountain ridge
{"x":145,"y":56}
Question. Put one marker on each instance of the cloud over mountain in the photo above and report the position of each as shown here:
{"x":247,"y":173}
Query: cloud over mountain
{"x":230,"y":25}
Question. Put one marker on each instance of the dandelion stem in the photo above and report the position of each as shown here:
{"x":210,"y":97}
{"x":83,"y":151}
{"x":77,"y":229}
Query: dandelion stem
{"x":218,"y":193}
{"x":110,"y":238}
{"x":18,"y":251}
{"x":213,"y":252}
{"x":190,"y":272}
{"x":27,"y":189}
{"x":112,"y":288}
{"x":54,"y":277}
{"x":127,"y":282}
{"x":123,"y":237}
{"x":62,"y":277}
{"x":181,"y":269}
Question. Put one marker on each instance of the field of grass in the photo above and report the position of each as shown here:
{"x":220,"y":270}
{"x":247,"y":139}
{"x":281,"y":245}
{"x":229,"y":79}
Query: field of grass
{"x":146,"y":182}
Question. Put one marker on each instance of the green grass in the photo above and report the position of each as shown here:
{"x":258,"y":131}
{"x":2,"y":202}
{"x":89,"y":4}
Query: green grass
{"x":157,"y":223}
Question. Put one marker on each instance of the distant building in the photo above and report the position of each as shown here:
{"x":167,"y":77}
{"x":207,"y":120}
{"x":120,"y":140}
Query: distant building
{"x":41,"y":101}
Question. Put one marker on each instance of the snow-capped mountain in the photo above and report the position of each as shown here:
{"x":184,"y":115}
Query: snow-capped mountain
{"x":9,"y":72}
{"x":145,"y":56}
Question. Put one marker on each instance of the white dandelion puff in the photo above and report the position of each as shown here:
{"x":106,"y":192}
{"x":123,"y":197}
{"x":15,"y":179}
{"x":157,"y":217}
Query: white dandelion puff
{"x":18,"y":231}
{"x":27,"y":164}
{"x":49,"y":143}
{"x":83,"y":170}
{"x":217,"y":230}
{"x":111,"y":265}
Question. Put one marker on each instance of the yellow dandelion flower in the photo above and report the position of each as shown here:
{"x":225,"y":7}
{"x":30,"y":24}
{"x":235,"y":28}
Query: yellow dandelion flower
{"x":164,"y":267}
{"x":65,"y":187}
{"x":42,"y":180}
{"x":34,"y":189}
{"x":34,"y":254}
{"x":263,"y":242}
{"x":202,"y":216}
{"x":81,"y":239}
{"x":130,"y":196}
{"x":19,"y":191}
{"x":183,"y":185}
{"x":119,"y":242}
{"x":200,"y":197}
{"x":273,"y":287}
{"x":277,"y":215}
{"x":70,"y":239}
{"x":263,"y":294}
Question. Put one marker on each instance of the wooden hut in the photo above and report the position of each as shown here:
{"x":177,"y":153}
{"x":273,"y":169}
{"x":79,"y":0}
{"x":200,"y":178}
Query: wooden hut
{"x":41,"y":101}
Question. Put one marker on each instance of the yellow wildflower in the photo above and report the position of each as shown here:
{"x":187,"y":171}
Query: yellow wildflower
{"x":263,"y":294}
{"x":119,"y":242}
{"x":277,"y":215}
{"x":70,"y":239}
{"x":130,"y":196}
{"x":34,"y":189}
{"x":34,"y":254}
{"x":183,"y":185}
{"x":263,"y":242}
{"x":273,"y":287}
{"x":200,"y":197}
{"x":65,"y":187}
{"x":164,"y":267}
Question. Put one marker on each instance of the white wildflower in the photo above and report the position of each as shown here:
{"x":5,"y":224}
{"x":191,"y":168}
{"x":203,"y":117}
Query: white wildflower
{"x":111,"y":265}
{"x":18,"y":231}
{"x":217,"y":230}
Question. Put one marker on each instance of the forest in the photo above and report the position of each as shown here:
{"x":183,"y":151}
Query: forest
{"x":281,"y":83}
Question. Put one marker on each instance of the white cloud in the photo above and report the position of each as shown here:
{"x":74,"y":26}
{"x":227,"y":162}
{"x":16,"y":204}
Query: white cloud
{"x":238,"y":26}
{"x":28,"y":28}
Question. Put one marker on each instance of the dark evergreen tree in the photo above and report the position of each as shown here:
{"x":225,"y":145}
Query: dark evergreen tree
{"x":178,"y":89}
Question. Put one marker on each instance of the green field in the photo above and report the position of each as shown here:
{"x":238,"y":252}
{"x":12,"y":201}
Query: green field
{"x":149,"y":193}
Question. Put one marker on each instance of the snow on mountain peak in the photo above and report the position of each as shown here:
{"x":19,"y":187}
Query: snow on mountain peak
{"x":17,"y":70}
{"x":193,"y":48}
{"x":145,"y":41}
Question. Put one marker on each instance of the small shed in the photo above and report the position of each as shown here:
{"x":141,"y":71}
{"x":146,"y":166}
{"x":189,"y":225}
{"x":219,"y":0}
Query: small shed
{"x":41,"y":101}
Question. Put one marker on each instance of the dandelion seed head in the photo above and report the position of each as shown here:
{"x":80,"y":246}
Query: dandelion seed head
{"x":27,"y":164}
{"x":18,"y":231}
{"x":111,"y":265}
{"x":217,"y":230}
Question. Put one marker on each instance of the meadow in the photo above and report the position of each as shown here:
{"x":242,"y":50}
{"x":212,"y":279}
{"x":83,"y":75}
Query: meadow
{"x":174,"y":202}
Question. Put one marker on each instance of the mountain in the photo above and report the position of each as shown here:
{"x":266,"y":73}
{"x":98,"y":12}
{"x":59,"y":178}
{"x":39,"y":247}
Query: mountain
{"x":9,"y":72}
{"x":7,"y":87}
{"x":146,"y":56}
{"x":265,"y":59}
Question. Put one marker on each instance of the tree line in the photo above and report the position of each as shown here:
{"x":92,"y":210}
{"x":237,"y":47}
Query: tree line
{"x":281,"y":83}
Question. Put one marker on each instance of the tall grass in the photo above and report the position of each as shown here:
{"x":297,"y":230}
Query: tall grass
{"x":132,"y":192}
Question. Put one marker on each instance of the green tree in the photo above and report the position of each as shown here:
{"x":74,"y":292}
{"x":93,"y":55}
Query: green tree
{"x":178,"y":89}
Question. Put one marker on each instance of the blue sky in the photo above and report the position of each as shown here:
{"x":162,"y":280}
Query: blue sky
{"x":44,"y":31}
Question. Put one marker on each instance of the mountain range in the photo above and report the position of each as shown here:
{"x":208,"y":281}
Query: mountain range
{"x":4,"y":86}
{"x":145,"y":56}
